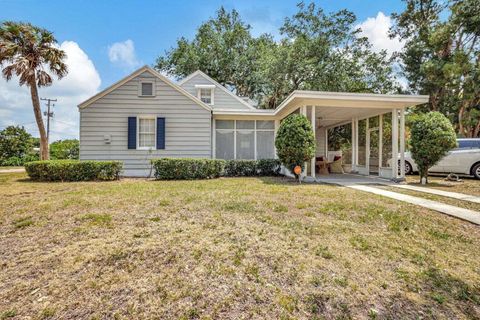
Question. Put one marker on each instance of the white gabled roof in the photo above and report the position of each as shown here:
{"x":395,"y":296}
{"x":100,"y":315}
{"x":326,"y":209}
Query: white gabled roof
{"x":218,"y":85}
{"x":136,"y":73}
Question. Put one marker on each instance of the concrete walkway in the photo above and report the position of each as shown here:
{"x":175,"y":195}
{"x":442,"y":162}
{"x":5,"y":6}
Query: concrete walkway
{"x":449,"y":194}
{"x":465,"y":214}
{"x":367,"y":184}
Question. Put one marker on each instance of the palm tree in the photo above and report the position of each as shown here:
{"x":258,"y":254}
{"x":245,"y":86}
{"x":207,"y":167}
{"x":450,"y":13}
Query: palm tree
{"x":26,"y":51}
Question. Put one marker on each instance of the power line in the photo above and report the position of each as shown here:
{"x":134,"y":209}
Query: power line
{"x":48,"y":114}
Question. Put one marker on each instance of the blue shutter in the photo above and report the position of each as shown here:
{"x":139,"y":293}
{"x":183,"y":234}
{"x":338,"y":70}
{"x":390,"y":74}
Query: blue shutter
{"x":160,"y":133}
{"x":132,"y":132}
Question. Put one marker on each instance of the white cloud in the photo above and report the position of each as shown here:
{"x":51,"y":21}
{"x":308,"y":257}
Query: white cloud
{"x":123,"y":54}
{"x":81,"y":82}
{"x":376,"y":30}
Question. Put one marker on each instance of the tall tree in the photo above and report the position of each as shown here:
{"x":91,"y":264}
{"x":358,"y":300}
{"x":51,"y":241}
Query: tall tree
{"x":26,"y":51}
{"x":317,"y":51}
{"x":441,"y":58}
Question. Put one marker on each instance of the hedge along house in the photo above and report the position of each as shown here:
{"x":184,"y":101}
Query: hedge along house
{"x":146,"y":116}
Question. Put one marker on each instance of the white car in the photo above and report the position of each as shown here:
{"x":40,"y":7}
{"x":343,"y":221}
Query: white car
{"x":465,"y":159}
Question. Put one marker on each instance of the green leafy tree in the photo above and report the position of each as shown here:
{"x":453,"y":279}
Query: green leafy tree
{"x":317,"y":51}
{"x":295,"y":141}
{"x":16,"y":145}
{"x":27,"y":51}
{"x":441,"y":58}
{"x":64,"y":149}
{"x":432,"y":136}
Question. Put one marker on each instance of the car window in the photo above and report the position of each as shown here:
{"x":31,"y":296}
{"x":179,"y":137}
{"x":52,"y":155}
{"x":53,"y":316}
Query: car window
{"x":468,"y":144}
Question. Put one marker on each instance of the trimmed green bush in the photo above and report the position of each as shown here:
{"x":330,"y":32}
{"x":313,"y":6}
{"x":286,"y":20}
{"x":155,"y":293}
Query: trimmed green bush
{"x":73,"y":170}
{"x":432,"y":136}
{"x":295,"y":141}
{"x":249,"y":168}
{"x":241,"y":168}
{"x":187,"y":169}
{"x":268,"y":167}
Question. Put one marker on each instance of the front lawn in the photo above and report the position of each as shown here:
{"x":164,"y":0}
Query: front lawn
{"x":467,"y":185}
{"x":234,"y":248}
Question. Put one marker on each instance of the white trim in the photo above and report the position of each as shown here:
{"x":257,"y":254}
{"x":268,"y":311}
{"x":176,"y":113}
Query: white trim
{"x":150,"y":117}
{"x":198,"y":72}
{"x":313,"y":164}
{"x":402,"y":143}
{"x":140,"y":89}
{"x":394,"y":143}
{"x":235,"y":139}
{"x":136,"y":73}
{"x":214,"y":139}
{"x":205,"y":86}
{"x":380,"y":142}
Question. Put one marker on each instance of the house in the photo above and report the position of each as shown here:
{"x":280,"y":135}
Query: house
{"x":146,"y":116}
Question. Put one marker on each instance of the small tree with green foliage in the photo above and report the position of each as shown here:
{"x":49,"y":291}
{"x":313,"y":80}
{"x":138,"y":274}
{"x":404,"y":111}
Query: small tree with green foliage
{"x":432,"y":136}
{"x":295,"y":141}
{"x":64,"y":149}
{"x":16,"y":146}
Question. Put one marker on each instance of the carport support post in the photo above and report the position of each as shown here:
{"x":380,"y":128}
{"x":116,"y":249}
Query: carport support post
{"x":312,"y":164}
{"x":354,"y":146}
{"x":395,"y":144}
{"x":402,"y":143}
{"x":303,"y":111}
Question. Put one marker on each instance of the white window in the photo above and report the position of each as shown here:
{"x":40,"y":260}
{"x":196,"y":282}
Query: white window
{"x":205,"y":93}
{"x":146,"y":89}
{"x":146,"y":133}
{"x":244,"y":139}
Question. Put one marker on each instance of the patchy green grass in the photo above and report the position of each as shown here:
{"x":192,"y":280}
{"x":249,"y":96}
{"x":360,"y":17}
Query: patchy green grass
{"x":467,"y":185}
{"x":229,"y":249}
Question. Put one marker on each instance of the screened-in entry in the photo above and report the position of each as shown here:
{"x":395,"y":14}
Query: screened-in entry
{"x":244,"y":139}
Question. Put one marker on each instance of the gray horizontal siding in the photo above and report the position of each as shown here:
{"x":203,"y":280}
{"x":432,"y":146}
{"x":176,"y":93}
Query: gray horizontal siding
{"x":222,"y":100}
{"x":187,"y":126}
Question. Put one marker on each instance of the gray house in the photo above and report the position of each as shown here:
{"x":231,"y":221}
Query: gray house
{"x":146,"y":116}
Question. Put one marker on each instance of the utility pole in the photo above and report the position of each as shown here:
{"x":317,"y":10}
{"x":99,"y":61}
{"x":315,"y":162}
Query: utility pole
{"x":48,"y":114}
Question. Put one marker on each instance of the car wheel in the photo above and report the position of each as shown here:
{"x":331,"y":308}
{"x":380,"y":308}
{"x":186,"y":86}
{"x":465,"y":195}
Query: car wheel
{"x":476,"y":171}
{"x":408,"y":168}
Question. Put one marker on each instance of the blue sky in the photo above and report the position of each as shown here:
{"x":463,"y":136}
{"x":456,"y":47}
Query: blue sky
{"x":111,"y":38}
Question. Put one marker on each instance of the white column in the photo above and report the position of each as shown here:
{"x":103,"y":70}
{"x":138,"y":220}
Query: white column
{"x":353,"y":146}
{"x":303,"y":111}
{"x":380,"y":142}
{"x":402,"y":143}
{"x":312,"y":164}
{"x":356,"y":144}
{"x":395,"y":143}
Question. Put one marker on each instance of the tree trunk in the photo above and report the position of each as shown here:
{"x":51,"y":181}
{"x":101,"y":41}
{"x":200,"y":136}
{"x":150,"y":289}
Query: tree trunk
{"x":44,"y":155}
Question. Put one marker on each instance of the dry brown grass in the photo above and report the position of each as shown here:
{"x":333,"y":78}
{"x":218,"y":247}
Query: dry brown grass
{"x":228,"y":249}
{"x":467,"y":185}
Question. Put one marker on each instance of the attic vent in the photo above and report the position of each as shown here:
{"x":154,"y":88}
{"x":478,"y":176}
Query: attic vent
{"x":147,"y":89}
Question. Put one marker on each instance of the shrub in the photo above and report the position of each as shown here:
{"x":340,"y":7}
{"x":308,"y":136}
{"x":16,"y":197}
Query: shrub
{"x":73,"y":170}
{"x":187,"y":169}
{"x":432,"y":136}
{"x":238,"y":168}
{"x":295,"y":141}
{"x":64,"y":149}
{"x":268,"y":167}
